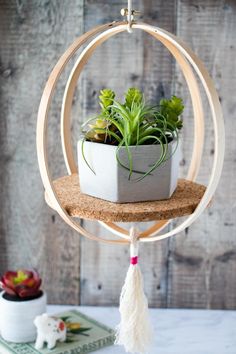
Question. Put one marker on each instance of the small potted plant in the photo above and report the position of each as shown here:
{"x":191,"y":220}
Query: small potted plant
{"x":20,"y":302}
{"x":129,"y":152}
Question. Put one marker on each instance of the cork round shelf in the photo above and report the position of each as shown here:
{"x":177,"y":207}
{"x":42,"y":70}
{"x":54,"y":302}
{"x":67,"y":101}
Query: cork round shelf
{"x":190,"y":198}
{"x":183,"y":202}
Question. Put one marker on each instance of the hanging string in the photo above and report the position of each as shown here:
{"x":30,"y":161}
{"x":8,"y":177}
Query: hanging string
{"x":129,"y":16}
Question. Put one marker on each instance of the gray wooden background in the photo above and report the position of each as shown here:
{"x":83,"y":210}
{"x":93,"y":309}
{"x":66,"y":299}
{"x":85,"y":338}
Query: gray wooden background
{"x":197,"y":268}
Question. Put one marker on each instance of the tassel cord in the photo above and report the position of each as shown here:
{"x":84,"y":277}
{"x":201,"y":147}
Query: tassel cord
{"x":134,"y":330}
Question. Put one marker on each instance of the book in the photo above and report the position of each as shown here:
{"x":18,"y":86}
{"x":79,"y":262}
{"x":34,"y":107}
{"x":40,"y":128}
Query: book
{"x":84,"y":335}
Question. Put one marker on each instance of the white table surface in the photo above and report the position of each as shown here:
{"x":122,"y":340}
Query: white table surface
{"x":176,"y":331}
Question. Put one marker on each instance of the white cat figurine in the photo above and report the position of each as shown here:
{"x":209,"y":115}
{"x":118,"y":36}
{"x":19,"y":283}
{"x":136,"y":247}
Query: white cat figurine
{"x":49,"y":330}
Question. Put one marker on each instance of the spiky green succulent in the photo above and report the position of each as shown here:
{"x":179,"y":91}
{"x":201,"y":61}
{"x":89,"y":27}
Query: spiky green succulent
{"x":106,"y":98}
{"x":172,"y":109}
{"x":133,"y":96}
{"x":135,"y":122}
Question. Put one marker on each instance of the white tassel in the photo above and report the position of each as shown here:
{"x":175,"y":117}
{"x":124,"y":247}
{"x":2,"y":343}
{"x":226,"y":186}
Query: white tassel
{"x":134,"y":331}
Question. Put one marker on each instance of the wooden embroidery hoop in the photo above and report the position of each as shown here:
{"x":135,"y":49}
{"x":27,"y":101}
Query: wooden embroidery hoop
{"x":187,"y":60}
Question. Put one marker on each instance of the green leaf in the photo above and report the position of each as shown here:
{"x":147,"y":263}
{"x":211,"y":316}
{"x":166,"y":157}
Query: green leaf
{"x":171,"y":109}
{"x":106,"y":98}
{"x":133,"y":95}
{"x":160,"y":160}
{"x":65,"y":318}
{"x":82,"y":150}
{"x":109,"y":132}
{"x":79,"y":330}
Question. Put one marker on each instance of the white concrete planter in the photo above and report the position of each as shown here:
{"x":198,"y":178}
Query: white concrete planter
{"x":111,"y":181}
{"x":16,"y":318}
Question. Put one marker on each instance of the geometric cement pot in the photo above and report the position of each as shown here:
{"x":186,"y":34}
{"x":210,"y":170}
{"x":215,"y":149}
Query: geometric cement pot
{"x":17,"y":318}
{"x":111,"y":181}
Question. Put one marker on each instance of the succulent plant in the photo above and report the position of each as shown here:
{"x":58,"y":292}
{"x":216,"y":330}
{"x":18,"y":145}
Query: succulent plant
{"x":106,"y":98}
{"x":21,"y":284}
{"x":135,"y":123}
{"x":171,"y":110}
{"x":133,"y":96}
{"x":99,"y":131}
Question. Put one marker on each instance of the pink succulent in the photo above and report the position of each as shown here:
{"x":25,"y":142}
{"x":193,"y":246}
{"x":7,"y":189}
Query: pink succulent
{"x":21,"y":283}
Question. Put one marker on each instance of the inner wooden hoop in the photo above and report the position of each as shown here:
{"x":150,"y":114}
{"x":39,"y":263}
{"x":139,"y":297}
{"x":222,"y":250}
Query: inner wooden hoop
{"x":66,"y":120}
{"x":43,"y":117}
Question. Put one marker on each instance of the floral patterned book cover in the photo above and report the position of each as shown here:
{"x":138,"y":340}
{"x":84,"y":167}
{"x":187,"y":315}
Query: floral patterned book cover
{"x":84,"y":335}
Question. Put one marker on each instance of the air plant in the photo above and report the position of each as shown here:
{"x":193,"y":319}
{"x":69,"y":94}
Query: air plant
{"x":21,"y":285}
{"x":135,"y":123}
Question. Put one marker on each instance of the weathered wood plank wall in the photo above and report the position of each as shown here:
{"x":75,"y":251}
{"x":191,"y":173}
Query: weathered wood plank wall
{"x":196,"y":269}
{"x":202,"y":261}
{"x":31,"y":35}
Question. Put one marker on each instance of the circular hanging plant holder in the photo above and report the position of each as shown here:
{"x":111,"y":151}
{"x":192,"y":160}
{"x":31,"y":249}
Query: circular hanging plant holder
{"x":197,"y":109}
{"x":64,"y":195}
{"x":58,"y":192}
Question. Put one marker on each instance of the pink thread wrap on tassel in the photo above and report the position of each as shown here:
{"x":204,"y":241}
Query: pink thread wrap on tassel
{"x":134,"y":260}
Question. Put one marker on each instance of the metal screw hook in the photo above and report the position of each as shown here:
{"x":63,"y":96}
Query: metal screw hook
{"x":129,"y":13}
{"x":124,"y":12}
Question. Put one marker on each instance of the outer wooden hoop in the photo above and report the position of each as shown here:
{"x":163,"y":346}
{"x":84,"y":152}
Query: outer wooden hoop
{"x":216,"y":115}
{"x":41,"y":136}
{"x":66,"y":117}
